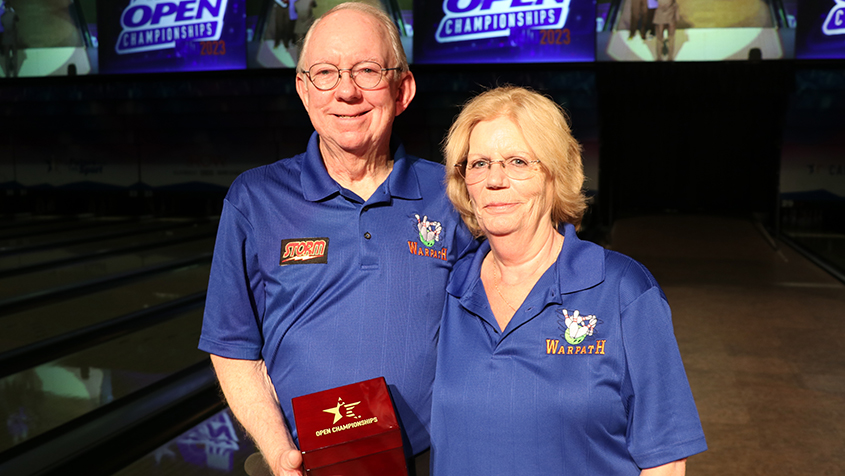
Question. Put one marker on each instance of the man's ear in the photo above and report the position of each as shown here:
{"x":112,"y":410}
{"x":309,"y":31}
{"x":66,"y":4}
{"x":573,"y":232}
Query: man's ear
{"x":406,"y":92}
{"x":302,"y":89}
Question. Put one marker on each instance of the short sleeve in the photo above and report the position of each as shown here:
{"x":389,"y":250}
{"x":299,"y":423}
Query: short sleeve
{"x":235,"y":300}
{"x":663,"y":422}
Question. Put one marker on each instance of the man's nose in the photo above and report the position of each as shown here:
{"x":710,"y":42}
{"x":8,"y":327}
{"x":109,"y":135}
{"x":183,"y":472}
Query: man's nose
{"x":347,"y":87}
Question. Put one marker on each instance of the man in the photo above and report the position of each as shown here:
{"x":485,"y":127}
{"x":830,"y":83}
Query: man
{"x":283,"y":25}
{"x":330,"y":267}
{"x":638,"y":14}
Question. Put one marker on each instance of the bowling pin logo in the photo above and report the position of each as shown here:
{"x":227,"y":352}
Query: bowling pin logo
{"x":429,"y":230}
{"x":576,"y":327}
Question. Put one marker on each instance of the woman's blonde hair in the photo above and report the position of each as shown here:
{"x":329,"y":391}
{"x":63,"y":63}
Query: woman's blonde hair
{"x":546,"y":129}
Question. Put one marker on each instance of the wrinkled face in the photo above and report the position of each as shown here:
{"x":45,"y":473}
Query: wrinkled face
{"x":501,"y":204}
{"x":348,"y":118}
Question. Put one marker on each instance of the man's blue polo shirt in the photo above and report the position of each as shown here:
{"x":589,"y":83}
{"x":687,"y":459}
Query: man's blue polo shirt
{"x":329,"y":289}
{"x":602,"y":392}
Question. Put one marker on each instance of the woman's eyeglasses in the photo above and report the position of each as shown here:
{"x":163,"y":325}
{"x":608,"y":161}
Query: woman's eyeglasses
{"x":476,"y":170}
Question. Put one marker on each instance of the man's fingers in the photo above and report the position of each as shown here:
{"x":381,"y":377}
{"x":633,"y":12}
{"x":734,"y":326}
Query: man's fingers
{"x":292,"y":462}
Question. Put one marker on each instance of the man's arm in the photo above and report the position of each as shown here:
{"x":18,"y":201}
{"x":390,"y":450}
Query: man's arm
{"x":675,"y":468}
{"x":252,"y":398}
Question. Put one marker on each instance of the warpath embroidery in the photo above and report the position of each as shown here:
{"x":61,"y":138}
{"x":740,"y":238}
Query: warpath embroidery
{"x":429,"y":234}
{"x":575,"y":328}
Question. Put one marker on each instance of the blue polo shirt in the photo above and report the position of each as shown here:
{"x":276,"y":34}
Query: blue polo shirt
{"x":330,"y":289}
{"x":600,"y":392}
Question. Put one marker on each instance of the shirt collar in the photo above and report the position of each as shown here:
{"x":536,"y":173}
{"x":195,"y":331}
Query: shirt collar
{"x":580,"y":266}
{"x":317,"y":184}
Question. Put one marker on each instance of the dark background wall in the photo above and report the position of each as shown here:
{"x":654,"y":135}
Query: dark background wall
{"x":702,"y":137}
{"x":685,"y":137}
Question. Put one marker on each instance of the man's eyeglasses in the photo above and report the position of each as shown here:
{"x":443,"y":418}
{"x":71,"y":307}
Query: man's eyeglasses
{"x":476,"y":170}
{"x":366,"y":75}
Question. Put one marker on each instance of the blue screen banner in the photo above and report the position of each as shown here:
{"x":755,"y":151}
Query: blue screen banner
{"x":138,"y":36}
{"x":504,"y":31}
{"x":820,"y":33}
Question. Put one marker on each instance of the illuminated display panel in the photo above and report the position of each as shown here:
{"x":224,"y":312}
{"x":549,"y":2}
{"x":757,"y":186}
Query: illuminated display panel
{"x":43,"y":38}
{"x":504,"y":31}
{"x":821,"y":29}
{"x":144,"y":36}
{"x":704,"y":30}
{"x":137,"y":36}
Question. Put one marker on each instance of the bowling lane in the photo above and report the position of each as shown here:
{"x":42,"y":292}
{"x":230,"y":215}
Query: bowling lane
{"x":81,"y":251}
{"x":32,"y":325}
{"x":28,"y":224}
{"x":32,"y":226}
{"x":99,"y":229}
{"x":45,"y":280}
{"x":37,"y":400}
{"x":760,"y":330}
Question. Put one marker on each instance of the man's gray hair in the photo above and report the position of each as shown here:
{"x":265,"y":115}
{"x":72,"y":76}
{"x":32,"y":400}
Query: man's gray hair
{"x":376,"y":13}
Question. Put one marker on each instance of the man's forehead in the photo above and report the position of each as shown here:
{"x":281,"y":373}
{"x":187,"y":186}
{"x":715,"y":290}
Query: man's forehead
{"x":337,"y":30}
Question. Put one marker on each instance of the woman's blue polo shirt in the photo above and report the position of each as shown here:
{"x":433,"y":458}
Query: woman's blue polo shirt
{"x":602,"y":392}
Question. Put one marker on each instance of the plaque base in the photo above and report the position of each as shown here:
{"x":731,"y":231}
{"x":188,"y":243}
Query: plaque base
{"x":386,"y":463}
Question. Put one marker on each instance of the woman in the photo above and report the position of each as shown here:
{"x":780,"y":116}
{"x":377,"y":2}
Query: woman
{"x":666,"y":16}
{"x":555,"y":355}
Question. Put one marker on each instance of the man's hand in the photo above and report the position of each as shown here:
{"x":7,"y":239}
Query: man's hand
{"x":252,"y":398}
{"x":290,"y":463}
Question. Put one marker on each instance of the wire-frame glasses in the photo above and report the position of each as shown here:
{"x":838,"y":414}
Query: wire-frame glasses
{"x":476,"y":170}
{"x":366,"y":75}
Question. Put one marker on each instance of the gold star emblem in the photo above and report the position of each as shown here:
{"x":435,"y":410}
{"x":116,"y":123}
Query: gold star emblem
{"x":335,"y":411}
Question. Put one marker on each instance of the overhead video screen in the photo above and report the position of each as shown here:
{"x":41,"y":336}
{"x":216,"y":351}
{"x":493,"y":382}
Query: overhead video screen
{"x":504,"y":31}
{"x":43,"y":38}
{"x":821,"y":29}
{"x":695,"y":30}
{"x":139,"y":36}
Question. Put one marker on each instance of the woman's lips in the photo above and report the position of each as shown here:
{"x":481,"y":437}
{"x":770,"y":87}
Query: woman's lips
{"x":499,"y":207}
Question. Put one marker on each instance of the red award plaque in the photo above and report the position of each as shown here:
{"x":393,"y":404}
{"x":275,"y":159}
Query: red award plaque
{"x":350,"y":430}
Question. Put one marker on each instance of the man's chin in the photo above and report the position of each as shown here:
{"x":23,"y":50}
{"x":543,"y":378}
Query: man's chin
{"x":353,"y":143}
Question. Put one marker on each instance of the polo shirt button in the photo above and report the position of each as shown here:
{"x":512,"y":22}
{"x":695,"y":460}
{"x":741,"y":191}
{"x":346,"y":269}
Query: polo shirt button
{"x":367,"y":235}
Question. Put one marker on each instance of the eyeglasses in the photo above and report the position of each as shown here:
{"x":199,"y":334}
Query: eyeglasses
{"x":366,"y":75}
{"x":476,"y":170}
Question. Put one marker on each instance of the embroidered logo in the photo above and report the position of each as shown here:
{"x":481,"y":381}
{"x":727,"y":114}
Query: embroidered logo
{"x":429,"y":230}
{"x":429,"y":234}
{"x":304,"y":251}
{"x":574,"y":329}
{"x":343,"y":409}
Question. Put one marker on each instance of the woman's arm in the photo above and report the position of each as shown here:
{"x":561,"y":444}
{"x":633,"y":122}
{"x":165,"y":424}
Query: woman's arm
{"x":675,"y":468}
